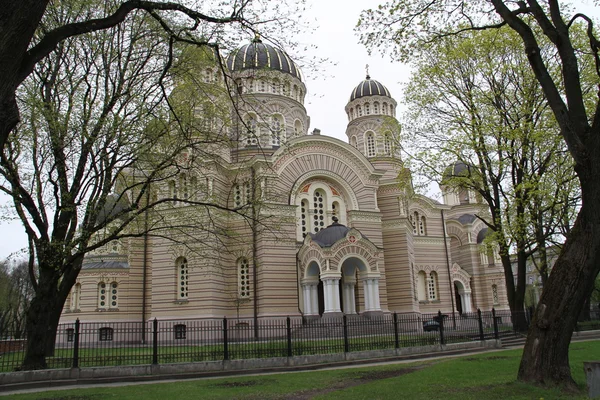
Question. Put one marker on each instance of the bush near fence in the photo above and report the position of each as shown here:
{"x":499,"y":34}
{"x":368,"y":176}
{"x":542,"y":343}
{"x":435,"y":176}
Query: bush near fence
{"x":83,"y":344}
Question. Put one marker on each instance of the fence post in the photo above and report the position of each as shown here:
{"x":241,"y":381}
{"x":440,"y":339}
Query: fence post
{"x":346,"y":344}
{"x":496,"y":334}
{"x":441,"y":322}
{"x":76,"y":344}
{"x":155,"y":341}
{"x":481,"y":337}
{"x":396,"y":341}
{"x":289,"y":336}
{"x":225,"y":344}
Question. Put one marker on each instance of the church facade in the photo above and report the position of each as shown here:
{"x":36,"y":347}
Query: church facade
{"x":324,"y":227}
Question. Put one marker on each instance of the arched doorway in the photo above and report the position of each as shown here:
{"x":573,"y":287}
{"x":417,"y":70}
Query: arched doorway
{"x":463,"y":297}
{"x":312,"y":291}
{"x":457,"y":299}
{"x":354,"y":270}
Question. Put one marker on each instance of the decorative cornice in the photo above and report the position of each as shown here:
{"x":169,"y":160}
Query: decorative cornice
{"x":364,"y":216}
{"x":439,"y":241}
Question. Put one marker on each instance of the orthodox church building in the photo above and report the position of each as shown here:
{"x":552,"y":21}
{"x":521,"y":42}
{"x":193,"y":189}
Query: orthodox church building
{"x":335,"y":227}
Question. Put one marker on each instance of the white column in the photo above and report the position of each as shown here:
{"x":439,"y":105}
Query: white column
{"x":335,"y":289}
{"x":466,"y":302}
{"x":314,"y":298}
{"x":376,"y":294}
{"x":327,"y":296}
{"x":371,"y":287}
{"x":332,"y":295}
{"x":307,"y":302}
{"x":349,"y":303}
{"x":367,"y":294}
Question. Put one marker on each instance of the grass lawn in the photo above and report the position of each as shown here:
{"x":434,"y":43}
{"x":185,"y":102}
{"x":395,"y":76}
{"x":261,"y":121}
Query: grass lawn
{"x":484,"y":376}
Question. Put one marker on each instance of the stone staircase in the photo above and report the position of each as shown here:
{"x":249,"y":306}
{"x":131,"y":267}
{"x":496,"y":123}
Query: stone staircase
{"x":518,"y":339}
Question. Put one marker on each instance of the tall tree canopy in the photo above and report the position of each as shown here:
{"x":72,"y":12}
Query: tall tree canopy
{"x":408,"y":27}
{"x":111,"y":107}
{"x":474,"y":100}
{"x":26,"y":38}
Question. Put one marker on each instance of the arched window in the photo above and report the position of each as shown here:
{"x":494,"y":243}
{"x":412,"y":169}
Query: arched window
{"x":367,"y":108}
{"x":183,"y":184}
{"x":243,"y":278}
{"x":422,"y":286}
{"x":354,"y":142}
{"x":180,"y":331}
{"x":173,"y":191}
{"x":384,"y":109}
{"x":276,"y":129}
{"x":275,"y":86}
{"x":413,"y":221}
{"x":298,"y":129}
{"x":102,"y":296}
{"x":335,"y":210}
{"x":251,"y":134}
{"x":422,"y":226}
{"x":370,"y":144}
{"x":286,"y":89}
{"x":208,"y":75}
{"x":182,"y":278}
{"x":247,"y":193}
{"x":418,"y":222}
{"x":432,"y":285}
{"x":376,"y":108}
{"x":387,"y":144}
{"x":303,"y":217}
{"x":359,"y":111}
{"x":75,"y":297}
{"x":262,"y":85}
{"x":238,"y":195}
{"x":114,"y":295}
{"x":318,"y":210}
{"x":105,"y":334}
{"x":351,"y":113}
{"x":495,"y":295}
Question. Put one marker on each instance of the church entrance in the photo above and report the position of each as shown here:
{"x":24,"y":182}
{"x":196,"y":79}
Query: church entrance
{"x":462,"y":297}
{"x":458,"y":299}
{"x":321,"y":297}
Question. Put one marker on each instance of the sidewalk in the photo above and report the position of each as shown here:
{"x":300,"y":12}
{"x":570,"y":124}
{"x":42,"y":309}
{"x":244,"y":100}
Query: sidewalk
{"x":51,"y":385}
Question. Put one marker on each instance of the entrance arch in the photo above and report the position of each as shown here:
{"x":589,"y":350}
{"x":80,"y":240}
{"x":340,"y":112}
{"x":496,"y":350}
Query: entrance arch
{"x":462,"y":298}
{"x":461,"y":282}
{"x":336,"y":259}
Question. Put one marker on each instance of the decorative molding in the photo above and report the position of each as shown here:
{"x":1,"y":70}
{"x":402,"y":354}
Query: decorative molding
{"x":312,"y":177}
{"x":364,"y":216}
{"x":338,"y":150}
{"x":459,"y":274}
{"x":429,"y":240}
{"x":427,"y":268}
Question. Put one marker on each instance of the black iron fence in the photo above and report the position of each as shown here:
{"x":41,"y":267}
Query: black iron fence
{"x":82,"y":344}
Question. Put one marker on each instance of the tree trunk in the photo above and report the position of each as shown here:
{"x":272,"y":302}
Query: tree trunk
{"x":586,"y":310}
{"x":545,"y":356}
{"x":18,"y":22}
{"x":42,"y":322}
